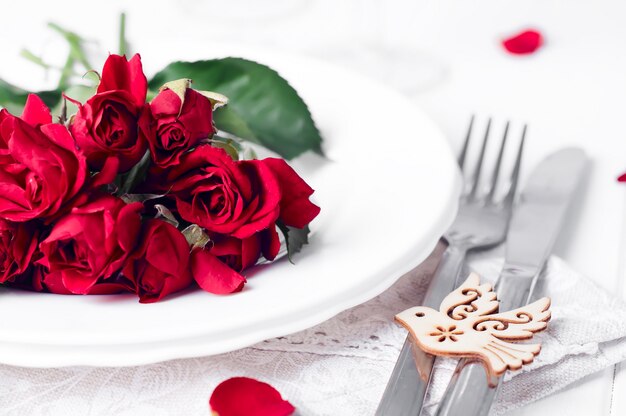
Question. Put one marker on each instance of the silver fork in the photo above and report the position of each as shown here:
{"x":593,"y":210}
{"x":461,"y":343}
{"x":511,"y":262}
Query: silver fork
{"x":481,"y":223}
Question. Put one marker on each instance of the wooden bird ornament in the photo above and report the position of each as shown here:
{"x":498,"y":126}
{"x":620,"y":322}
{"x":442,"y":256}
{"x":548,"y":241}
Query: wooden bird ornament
{"x":467,"y":325}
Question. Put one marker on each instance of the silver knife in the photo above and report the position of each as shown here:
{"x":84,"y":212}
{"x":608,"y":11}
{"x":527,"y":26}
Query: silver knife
{"x":534,"y":227}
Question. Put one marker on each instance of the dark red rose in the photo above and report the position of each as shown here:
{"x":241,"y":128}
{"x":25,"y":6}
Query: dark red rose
{"x":238,"y":199}
{"x":106,"y":126}
{"x":238,"y":203}
{"x":41,"y":170}
{"x":18,"y":242}
{"x":523,"y":43}
{"x":90,"y":243}
{"x":243,"y":396}
{"x":172,"y":129}
{"x":295,"y":208}
{"x":160,"y":264}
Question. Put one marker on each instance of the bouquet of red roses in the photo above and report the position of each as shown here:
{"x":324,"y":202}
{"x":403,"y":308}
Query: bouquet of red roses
{"x":129,"y":195}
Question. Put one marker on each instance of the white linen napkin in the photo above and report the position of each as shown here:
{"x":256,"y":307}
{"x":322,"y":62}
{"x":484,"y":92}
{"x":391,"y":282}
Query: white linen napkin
{"x":587,"y":333}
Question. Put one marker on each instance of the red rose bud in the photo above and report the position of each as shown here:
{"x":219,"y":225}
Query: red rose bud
{"x":242,"y":396}
{"x":40,"y":169}
{"x":523,"y":43}
{"x":89,"y":244}
{"x":176,"y":127}
{"x":18,"y":242}
{"x":160,"y":264}
{"x":106,"y":126}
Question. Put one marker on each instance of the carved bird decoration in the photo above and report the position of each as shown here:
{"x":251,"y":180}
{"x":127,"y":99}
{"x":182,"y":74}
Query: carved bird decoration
{"x":467,"y":325}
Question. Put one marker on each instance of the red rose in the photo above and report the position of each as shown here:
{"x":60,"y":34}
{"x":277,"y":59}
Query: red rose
{"x":18,"y":242}
{"x":160,"y":264}
{"x":106,"y":126}
{"x":238,"y":199}
{"x":90,"y":243}
{"x":40,"y":168}
{"x":173,"y":130}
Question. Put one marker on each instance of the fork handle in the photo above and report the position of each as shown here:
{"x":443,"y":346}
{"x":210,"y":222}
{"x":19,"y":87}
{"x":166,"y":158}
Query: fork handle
{"x":405,"y":391}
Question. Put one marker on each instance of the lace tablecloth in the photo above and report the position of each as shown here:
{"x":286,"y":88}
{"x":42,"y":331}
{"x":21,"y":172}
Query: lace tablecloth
{"x":337,"y":368}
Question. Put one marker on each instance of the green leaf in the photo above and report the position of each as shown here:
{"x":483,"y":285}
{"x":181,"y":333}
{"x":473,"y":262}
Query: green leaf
{"x":295,"y":238}
{"x":217,"y":100}
{"x":135,"y":176}
{"x":13,"y":98}
{"x":262,"y":107}
{"x":229,"y":145}
{"x":166,"y":215}
{"x":228,"y":120}
{"x":196,"y":236}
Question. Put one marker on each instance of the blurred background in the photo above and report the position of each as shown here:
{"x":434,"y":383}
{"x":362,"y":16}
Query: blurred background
{"x":445,"y":54}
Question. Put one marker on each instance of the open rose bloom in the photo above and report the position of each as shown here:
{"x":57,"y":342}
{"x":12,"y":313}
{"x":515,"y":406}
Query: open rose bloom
{"x":72,"y":223}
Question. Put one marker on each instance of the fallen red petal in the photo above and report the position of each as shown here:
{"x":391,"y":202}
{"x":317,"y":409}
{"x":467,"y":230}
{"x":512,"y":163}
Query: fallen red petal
{"x":243,"y":396}
{"x":523,"y":43}
{"x":213,"y":275}
{"x":622,"y":178}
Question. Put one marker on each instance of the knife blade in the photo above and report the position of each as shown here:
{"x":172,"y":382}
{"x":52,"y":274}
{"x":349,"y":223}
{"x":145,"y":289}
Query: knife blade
{"x":534,"y":228}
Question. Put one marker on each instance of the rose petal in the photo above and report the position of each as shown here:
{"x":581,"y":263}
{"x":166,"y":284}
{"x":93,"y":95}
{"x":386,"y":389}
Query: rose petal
{"x":250,"y":251}
{"x":128,"y":225}
{"x":622,"y":178}
{"x":36,"y":112}
{"x":523,"y":43}
{"x":269,"y":187}
{"x":271,"y":243}
{"x":214,"y":276}
{"x":295,"y":208}
{"x":243,"y":396}
{"x":121,"y":74}
{"x":107,"y":174}
{"x":75,"y":281}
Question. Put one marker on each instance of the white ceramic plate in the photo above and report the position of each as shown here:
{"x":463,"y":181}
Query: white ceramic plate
{"x":387,"y":191}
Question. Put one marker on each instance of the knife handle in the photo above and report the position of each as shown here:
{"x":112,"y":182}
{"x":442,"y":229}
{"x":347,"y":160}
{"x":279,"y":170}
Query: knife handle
{"x":469,"y":393}
{"x":406,"y":389}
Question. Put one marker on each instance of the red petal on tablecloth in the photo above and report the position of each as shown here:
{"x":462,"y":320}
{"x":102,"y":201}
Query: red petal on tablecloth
{"x":622,"y":177}
{"x":523,"y":43}
{"x":242,"y":396}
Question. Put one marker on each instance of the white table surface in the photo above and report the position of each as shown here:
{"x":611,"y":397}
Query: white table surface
{"x":573,"y":92}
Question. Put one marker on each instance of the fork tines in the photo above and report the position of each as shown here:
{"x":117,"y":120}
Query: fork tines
{"x":474,"y":187}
